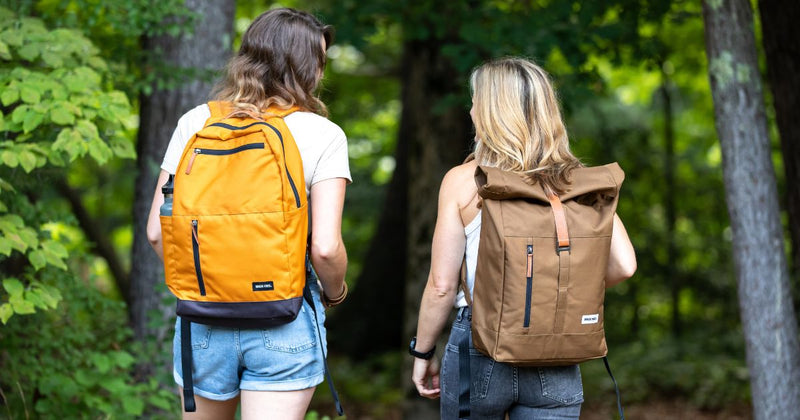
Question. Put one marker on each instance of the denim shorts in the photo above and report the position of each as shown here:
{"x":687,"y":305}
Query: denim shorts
{"x":284,"y":358}
{"x":499,"y":388}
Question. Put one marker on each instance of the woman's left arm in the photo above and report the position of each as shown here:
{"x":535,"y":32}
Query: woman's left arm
{"x":622,"y":258}
{"x":447,"y":252}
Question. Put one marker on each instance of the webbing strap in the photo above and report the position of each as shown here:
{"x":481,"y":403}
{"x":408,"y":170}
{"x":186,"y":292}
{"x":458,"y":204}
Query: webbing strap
{"x":186,"y":366}
{"x":616,"y":389}
{"x":463,"y":377}
{"x":563,"y":288}
{"x":309,"y":298}
{"x":563,"y":251}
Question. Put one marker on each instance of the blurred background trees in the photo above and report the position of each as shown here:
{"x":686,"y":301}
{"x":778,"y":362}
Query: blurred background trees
{"x":90,"y":92}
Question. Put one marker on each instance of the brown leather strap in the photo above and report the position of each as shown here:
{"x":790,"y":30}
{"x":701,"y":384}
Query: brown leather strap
{"x":561,"y":223}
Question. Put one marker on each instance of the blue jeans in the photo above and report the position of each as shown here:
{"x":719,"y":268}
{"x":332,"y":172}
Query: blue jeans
{"x":283,"y":358}
{"x":499,"y":388}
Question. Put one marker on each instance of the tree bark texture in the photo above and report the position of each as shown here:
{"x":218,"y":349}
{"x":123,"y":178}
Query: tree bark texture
{"x":768,"y":318}
{"x":437,"y":139}
{"x":208,"y":47}
{"x":780,"y":35}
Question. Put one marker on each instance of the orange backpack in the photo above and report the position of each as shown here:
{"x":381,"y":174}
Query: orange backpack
{"x":235,"y":244}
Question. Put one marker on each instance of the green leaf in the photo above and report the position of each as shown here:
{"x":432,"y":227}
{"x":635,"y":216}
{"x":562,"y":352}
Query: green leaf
{"x":32,"y":120}
{"x":5,"y":246}
{"x":27,"y":160}
{"x":12,"y":37}
{"x":61,"y":115}
{"x":9,"y":95}
{"x":123,"y":148}
{"x":9,"y":158}
{"x":13,"y":286}
{"x":5,"y":53}
{"x":102,"y":362}
{"x":21,"y":306}
{"x":133,"y":406}
{"x":123,"y":359}
{"x":29,"y":236}
{"x":29,"y":95}
{"x":37,"y":259}
{"x":55,"y":248}
{"x":30,"y":51}
{"x":19,"y":114}
{"x":5,"y":312}
{"x":100,"y":151}
{"x":49,"y":297}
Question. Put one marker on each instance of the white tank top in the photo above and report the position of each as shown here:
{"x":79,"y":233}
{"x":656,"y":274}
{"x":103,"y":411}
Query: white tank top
{"x":473,"y":234}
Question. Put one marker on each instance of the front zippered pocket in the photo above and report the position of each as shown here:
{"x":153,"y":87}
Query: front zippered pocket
{"x":196,"y":253}
{"x":220,"y":152}
{"x":528,"y":286}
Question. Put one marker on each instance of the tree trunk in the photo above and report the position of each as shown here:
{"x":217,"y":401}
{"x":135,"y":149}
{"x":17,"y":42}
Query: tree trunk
{"x":780,"y":34}
{"x":768,"y":318}
{"x":381,"y":284}
{"x":437,"y":138}
{"x":207,"y":48}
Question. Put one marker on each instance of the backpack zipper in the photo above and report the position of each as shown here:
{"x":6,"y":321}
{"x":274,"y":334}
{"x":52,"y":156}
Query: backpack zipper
{"x":529,"y":287}
{"x":196,"y":253}
{"x":283,"y":149}
{"x":220,"y":152}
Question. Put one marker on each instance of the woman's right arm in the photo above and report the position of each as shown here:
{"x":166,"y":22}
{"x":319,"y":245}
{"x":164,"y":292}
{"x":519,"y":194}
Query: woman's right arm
{"x":622,"y":258}
{"x":153,"y":219}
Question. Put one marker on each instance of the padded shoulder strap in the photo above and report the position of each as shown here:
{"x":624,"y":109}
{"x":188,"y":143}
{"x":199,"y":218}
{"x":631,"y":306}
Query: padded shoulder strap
{"x":218,"y":109}
{"x":279,"y":112}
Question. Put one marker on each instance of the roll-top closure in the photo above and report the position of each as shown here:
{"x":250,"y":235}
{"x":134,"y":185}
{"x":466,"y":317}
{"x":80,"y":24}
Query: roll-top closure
{"x":496,"y":184}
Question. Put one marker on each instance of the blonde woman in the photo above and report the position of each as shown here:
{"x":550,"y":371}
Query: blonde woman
{"x":273,"y":372}
{"x":518,"y":128}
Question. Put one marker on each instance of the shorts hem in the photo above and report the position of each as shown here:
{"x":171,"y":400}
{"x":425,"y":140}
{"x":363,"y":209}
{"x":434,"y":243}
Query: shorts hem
{"x":205,"y":394}
{"x":290,"y":385}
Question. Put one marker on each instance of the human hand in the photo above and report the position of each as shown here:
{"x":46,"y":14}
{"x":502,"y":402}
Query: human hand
{"x":425,"y":376}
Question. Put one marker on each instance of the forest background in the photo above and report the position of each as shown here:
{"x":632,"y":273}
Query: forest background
{"x":90,"y":92}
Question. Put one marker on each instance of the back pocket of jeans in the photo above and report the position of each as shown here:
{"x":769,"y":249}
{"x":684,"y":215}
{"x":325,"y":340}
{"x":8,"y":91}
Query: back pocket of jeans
{"x":562,"y":384}
{"x":294,"y":337}
{"x":480,"y":373}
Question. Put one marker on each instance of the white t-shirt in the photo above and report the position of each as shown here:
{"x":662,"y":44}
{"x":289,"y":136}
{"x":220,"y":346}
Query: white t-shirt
{"x":322,"y":144}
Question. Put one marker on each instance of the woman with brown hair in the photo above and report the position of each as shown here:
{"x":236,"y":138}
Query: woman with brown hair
{"x":518,"y":128}
{"x":273,"y":372}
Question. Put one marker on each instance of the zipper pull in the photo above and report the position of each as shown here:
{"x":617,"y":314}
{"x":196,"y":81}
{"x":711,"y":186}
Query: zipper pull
{"x":194,"y":232}
{"x":191,"y":160}
{"x":530,"y":261}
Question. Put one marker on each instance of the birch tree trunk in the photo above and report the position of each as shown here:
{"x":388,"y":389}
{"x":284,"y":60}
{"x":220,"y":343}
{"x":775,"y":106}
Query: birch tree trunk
{"x":768,"y":318}
{"x":205,"y":50}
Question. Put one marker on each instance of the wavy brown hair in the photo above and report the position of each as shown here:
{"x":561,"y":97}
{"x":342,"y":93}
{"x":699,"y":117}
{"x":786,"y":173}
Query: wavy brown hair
{"x":518,"y":125}
{"x":280,"y":62}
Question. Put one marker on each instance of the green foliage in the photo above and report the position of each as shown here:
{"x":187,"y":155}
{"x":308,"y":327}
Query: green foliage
{"x":74,"y":361}
{"x":709,"y":375}
{"x":56,"y":109}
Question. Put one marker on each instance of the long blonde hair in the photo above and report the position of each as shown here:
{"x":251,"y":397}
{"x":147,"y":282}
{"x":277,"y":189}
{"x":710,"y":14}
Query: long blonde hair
{"x":518,"y":125}
{"x":279,"y":63}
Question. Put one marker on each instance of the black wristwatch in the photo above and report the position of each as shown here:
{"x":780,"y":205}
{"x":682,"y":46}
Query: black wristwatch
{"x":427,"y":355}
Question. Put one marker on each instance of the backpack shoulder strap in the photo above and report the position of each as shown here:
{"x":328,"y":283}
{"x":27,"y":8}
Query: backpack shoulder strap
{"x":280,"y":112}
{"x":218,"y":109}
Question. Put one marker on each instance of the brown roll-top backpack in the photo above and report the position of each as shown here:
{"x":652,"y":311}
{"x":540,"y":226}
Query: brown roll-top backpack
{"x":540,"y":277}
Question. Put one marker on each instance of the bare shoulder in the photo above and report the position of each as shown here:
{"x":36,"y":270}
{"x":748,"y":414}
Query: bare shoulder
{"x":458,"y":185}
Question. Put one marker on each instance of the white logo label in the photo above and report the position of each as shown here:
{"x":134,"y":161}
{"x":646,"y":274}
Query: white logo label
{"x":590,"y":319}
